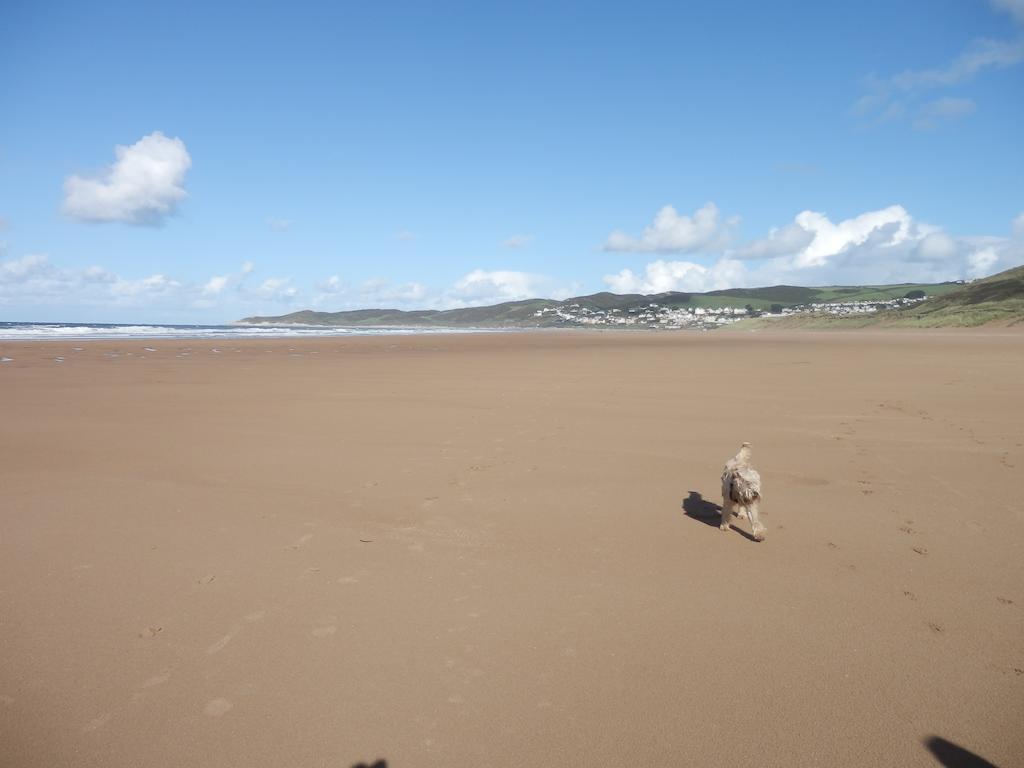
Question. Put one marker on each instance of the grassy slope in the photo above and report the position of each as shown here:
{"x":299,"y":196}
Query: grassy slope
{"x":997,"y":299}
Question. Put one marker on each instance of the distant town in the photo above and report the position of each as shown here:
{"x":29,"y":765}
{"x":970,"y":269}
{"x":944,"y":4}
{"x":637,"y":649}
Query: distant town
{"x":656,"y":316}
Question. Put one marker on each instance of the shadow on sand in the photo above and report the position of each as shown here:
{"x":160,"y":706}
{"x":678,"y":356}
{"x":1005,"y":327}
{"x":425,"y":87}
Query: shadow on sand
{"x":700,"y":509}
{"x":952,"y":756}
{"x":378,"y":764}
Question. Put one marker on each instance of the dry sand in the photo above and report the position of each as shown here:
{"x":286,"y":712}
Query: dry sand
{"x":473,"y":550}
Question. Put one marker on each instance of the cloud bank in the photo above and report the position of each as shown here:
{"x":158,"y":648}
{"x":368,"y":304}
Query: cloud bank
{"x":144,"y":185}
{"x":887,"y":245}
{"x":883,"y":246}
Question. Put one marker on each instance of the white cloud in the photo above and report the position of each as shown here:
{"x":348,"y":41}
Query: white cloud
{"x":497,"y":286}
{"x":476,"y":288}
{"x":779,"y":242}
{"x":1018,"y":226}
{"x":982,"y":261}
{"x":278,"y":289}
{"x":946,"y":108}
{"x":883,"y":246}
{"x":1013,"y":7}
{"x":33,"y":281}
{"x":979,"y":56}
{"x":686,"y":276}
{"x":517,"y":241}
{"x":154,"y":285}
{"x":218,"y":284}
{"x":936,"y":247}
{"x":332,"y":284}
{"x":25,"y":268}
{"x":888,"y":226}
{"x":813,"y":239}
{"x":143,"y":186}
{"x":671,"y":232}
{"x":215,"y":284}
{"x":903,"y":95}
{"x":373,"y":292}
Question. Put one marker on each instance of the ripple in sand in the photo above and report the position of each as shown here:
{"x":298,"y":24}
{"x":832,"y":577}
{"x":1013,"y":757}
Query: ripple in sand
{"x":217,"y":707}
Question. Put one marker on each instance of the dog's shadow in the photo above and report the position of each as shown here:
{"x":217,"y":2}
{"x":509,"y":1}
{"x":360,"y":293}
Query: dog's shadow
{"x":700,"y":509}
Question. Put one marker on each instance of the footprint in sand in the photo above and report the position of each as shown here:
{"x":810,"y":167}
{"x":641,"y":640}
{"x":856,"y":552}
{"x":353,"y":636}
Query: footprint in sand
{"x":937,"y":628}
{"x":208,"y":579}
{"x":1005,"y":600}
{"x":909,"y":595}
{"x":157,"y":679}
{"x":217,"y":707}
{"x":97,"y":723}
{"x":921,"y":550}
{"x":221,"y":644}
{"x":151,"y":631}
{"x":302,"y":540}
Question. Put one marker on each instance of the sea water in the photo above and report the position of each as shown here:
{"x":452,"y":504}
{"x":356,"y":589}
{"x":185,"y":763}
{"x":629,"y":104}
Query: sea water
{"x":37,"y":331}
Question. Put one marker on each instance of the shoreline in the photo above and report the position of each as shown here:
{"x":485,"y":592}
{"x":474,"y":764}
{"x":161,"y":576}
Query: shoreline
{"x":389,"y":332}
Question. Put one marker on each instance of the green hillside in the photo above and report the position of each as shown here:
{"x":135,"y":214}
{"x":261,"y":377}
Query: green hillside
{"x":520,"y":314}
{"x":998,"y":299}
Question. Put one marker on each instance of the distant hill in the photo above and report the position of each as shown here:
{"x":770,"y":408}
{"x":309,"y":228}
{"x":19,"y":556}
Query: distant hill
{"x":521,"y":314}
{"x":998,"y":299}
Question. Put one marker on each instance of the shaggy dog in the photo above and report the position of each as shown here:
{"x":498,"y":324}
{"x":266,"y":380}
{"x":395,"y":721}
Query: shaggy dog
{"x":741,"y":492}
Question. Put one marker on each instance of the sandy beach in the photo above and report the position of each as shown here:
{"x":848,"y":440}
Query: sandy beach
{"x":502,"y":550}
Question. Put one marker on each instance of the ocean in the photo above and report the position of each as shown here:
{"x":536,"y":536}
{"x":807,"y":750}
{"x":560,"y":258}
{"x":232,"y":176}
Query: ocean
{"x":82,"y":331}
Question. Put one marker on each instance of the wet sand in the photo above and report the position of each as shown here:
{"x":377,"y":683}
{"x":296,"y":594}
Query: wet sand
{"x":501,"y":550}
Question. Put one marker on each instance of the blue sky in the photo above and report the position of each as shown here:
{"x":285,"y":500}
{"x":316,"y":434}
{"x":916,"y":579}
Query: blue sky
{"x":338,"y":155}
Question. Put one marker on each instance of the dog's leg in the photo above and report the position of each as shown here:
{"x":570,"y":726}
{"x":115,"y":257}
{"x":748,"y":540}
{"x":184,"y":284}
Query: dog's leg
{"x":756,"y":526}
{"x":726,"y":513}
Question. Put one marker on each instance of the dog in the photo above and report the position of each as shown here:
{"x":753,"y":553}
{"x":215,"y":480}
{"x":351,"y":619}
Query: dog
{"x":741,"y":492}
